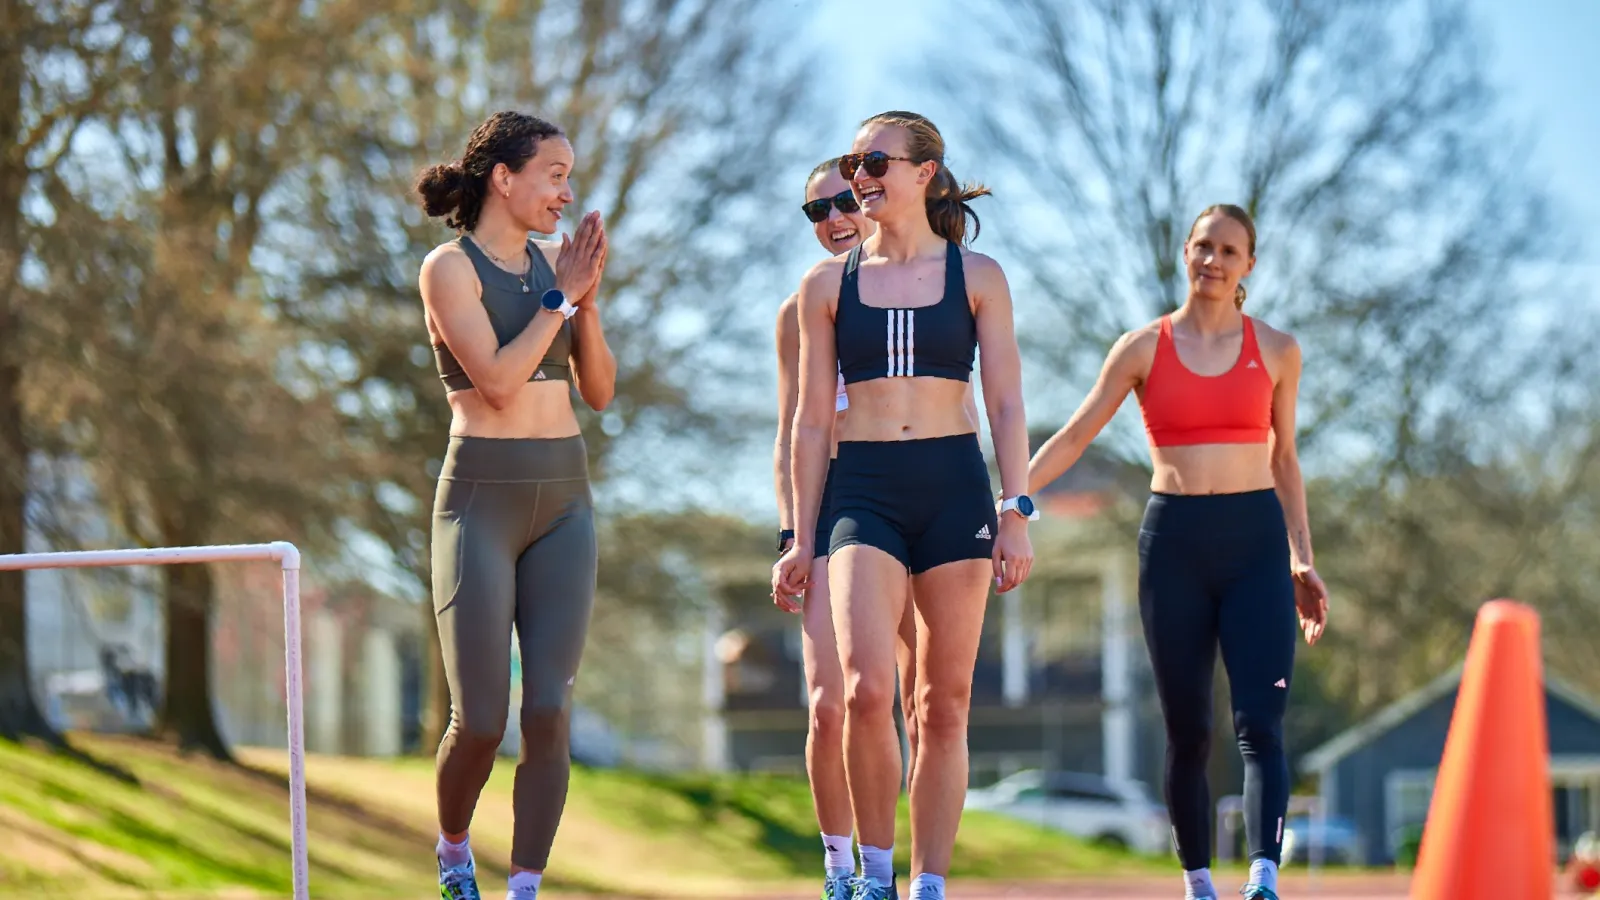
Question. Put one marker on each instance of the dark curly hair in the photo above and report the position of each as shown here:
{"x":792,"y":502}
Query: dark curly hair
{"x":456,"y":189}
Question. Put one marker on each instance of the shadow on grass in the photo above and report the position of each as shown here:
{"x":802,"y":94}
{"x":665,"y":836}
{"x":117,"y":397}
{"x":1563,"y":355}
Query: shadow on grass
{"x":104,"y":870}
{"x":423,"y":838}
{"x":796,"y":846}
{"x":130,"y":834}
{"x":61,"y":746}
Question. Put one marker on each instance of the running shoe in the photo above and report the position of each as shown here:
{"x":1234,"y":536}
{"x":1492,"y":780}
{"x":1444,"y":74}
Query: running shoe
{"x":839,"y":887}
{"x":873,"y":889}
{"x":1257,"y":892}
{"x":458,"y":883}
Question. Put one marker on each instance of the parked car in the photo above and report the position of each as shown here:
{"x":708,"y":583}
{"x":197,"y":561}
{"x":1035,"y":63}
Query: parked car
{"x":1089,"y":806}
{"x":1333,"y":841}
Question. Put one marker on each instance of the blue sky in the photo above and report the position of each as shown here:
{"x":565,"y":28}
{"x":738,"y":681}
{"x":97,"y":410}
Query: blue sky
{"x":1540,"y":54}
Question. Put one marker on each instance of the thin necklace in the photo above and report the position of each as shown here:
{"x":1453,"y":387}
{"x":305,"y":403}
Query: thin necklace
{"x":522,"y":277}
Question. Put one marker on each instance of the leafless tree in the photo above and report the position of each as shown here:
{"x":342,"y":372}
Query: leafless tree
{"x":1398,"y":229}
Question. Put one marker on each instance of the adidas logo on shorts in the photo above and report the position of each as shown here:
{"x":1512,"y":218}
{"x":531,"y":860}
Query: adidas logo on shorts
{"x":538,"y":376}
{"x":1280,"y":683}
{"x":983,"y":533}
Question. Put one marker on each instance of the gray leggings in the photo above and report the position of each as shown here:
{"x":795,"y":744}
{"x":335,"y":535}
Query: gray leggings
{"x":513,"y":544}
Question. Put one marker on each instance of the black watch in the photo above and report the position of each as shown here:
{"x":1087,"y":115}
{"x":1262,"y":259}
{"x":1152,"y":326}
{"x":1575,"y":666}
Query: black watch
{"x":785,"y":535}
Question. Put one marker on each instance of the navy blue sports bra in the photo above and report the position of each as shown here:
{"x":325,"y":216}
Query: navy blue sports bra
{"x":938,"y":341}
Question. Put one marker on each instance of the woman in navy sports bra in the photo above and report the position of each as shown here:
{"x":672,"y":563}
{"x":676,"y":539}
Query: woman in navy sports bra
{"x":914,"y":518}
{"x":839,"y":224}
{"x":1225,"y":548}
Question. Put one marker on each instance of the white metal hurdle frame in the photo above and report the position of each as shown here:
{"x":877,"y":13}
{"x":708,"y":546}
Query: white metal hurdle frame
{"x":282,"y":552}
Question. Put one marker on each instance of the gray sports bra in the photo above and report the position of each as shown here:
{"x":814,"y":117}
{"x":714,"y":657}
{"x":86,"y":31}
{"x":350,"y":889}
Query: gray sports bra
{"x":511,"y":301}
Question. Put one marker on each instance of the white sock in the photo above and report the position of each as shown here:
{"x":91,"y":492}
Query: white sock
{"x":1197,"y":885}
{"x":1265,"y":873}
{"x":523,"y":885}
{"x":927,"y":887}
{"x":838,"y":859}
{"x":877,"y":863}
{"x":452,"y":855}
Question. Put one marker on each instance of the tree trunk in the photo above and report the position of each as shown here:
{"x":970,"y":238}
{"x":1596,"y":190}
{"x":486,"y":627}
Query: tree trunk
{"x":187,"y":713}
{"x":19,"y":710}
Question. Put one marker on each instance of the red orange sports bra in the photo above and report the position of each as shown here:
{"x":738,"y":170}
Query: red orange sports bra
{"x":1182,"y":408}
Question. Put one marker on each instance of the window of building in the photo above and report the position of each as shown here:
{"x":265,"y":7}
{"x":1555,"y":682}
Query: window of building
{"x":1409,"y":794}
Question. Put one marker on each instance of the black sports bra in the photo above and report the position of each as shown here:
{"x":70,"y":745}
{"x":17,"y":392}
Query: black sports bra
{"x":938,"y":341}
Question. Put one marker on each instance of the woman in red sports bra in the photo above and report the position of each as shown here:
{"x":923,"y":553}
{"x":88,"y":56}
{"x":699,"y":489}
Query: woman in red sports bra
{"x":1224,"y":548}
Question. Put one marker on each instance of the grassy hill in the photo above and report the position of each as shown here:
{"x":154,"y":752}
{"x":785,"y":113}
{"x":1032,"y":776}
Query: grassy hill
{"x":124,"y":817}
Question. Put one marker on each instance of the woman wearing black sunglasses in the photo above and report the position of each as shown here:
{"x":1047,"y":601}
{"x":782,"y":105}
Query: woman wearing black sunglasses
{"x":914,"y":520}
{"x":836,"y":219}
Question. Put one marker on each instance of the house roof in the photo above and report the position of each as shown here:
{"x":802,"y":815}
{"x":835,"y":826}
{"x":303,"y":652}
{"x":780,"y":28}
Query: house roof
{"x":1326,"y":756}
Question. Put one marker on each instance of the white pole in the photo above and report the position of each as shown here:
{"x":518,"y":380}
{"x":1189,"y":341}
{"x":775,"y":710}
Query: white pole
{"x":295,"y":692}
{"x":288,"y":556}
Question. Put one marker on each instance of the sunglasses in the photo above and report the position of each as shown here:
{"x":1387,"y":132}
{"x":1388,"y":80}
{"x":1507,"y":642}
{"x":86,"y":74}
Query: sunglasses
{"x":817,"y":210}
{"x":876,"y":163}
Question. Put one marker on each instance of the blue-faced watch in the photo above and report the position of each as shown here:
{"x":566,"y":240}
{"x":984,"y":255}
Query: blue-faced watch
{"x":1022,"y":504}
{"x":555,"y":301}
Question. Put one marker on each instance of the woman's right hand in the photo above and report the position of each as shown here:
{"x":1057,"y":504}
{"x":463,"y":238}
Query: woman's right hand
{"x":791,"y":574}
{"x":580,"y":258}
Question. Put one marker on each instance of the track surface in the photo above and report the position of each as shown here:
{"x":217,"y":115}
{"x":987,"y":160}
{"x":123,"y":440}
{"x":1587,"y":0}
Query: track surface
{"x":1343,"y":888}
{"x":1290,"y":887}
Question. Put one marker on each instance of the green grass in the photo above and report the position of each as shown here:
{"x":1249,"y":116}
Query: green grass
{"x":123,"y":818}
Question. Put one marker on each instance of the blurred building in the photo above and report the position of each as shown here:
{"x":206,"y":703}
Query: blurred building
{"x":1379,"y":774}
{"x":96,"y":642}
{"x":96,"y":649}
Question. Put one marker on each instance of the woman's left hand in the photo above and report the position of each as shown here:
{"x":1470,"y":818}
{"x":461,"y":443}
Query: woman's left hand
{"x":1013,"y":552}
{"x":1311,"y":602}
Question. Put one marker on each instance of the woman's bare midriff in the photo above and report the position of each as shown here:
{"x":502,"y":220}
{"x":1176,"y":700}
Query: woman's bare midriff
{"x":1211,"y":469}
{"x":538,"y":409}
{"x":906,"y":409}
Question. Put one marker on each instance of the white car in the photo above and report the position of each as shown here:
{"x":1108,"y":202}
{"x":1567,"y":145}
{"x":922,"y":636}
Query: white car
{"x":1089,"y":806}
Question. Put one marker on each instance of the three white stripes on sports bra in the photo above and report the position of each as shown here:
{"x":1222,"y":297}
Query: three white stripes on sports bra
{"x":902,"y":341}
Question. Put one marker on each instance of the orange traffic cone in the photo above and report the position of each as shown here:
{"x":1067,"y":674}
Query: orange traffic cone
{"x":1490,"y":827}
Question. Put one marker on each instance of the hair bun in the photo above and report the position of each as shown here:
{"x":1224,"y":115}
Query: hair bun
{"x":440,"y":187}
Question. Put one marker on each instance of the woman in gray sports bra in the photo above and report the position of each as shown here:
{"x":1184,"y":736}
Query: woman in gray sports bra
{"x":514,"y":327}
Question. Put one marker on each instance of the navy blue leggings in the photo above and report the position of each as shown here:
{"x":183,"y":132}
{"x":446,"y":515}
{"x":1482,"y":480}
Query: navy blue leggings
{"x":1214,"y":570}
